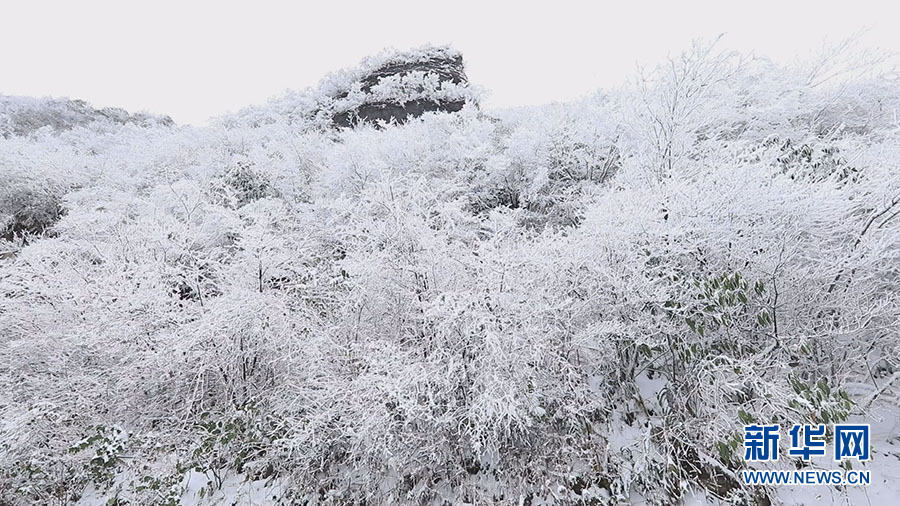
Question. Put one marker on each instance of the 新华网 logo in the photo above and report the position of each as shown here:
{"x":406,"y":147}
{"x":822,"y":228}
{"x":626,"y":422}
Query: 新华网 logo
{"x":850,"y":441}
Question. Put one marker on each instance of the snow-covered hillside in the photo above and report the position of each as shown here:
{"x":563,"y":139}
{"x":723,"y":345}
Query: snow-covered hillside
{"x":24,"y":115}
{"x":580,"y":303}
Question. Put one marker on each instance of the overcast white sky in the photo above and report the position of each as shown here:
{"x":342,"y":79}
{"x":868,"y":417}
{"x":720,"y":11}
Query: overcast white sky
{"x":196,"y":59}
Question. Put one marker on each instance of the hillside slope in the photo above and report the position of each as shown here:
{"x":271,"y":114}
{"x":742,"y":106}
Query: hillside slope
{"x":580,"y":303}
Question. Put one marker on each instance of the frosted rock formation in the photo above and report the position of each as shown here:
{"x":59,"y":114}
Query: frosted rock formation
{"x":405,"y":86}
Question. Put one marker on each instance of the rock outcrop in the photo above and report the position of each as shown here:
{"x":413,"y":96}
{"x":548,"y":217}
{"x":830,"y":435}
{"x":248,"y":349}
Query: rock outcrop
{"x":391,"y":87}
{"x":404,"y":86}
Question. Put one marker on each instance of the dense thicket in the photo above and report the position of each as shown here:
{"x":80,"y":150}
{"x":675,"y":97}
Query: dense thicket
{"x":578,"y":303}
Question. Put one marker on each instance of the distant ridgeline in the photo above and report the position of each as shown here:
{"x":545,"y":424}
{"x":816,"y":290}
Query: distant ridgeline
{"x":387,"y":88}
{"x":24,"y":115}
